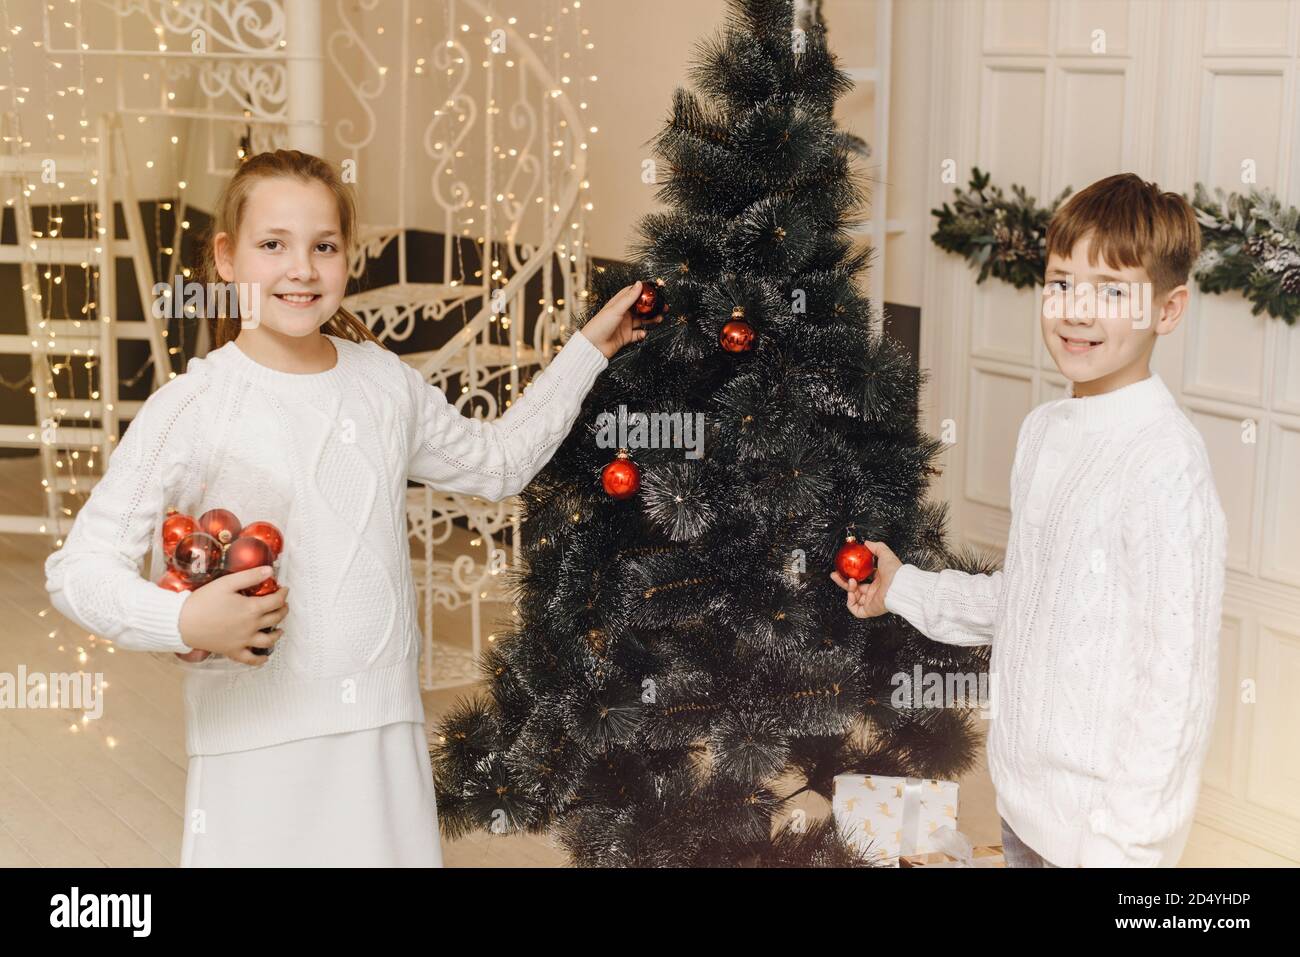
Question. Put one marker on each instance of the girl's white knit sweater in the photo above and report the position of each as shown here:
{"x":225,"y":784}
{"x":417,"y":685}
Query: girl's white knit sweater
{"x":326,"y":457}
{"x":1104,"y":626}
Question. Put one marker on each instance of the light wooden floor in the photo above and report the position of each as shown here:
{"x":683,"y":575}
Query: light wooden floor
{"x":111,"y":792}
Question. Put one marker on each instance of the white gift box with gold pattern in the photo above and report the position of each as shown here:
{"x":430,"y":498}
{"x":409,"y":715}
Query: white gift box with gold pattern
{"x":889,"y":817}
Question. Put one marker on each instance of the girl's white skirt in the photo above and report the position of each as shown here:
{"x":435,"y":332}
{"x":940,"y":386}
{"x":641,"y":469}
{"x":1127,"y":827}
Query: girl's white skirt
{"x":358,"y":799}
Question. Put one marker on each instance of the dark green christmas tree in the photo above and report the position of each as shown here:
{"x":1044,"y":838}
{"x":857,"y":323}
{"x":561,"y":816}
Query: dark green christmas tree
{"x":680,"y":665}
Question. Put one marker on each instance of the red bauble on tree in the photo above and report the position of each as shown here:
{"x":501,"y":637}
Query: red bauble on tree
{"x":267,"y":533}
{"x":221,"y":524}
{"x":737,"y":335}
{"x":175,"y":527}
{"x":621,"y":478}
{"x":854,"y":560}
{"x":650,"y":301}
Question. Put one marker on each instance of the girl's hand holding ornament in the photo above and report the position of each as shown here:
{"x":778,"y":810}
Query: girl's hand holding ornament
{"x":218,"y":619}
{"x":623,"y":319}
{"x":215,"y":548}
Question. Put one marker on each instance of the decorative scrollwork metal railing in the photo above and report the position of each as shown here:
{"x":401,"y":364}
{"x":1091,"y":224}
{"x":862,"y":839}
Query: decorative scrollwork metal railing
{"x":497,"y":141}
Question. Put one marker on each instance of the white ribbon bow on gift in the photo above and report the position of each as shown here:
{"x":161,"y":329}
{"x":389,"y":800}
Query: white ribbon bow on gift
{"x":957,"y":846}
{"x":911,"y":823}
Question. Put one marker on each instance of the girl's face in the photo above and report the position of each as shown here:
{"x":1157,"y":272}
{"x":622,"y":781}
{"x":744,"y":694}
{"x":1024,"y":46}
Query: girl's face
{"x":288,"y":259}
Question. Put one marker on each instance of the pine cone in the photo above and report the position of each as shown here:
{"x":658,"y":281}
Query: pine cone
{"x":1254,"y":247}
{"x":1291,"y":281}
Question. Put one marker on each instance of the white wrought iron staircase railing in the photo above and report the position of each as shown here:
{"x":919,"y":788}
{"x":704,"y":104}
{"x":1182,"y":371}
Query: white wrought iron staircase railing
{"x":259,"y":77}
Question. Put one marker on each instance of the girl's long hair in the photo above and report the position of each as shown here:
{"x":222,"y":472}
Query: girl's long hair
{"x":229,"y":215}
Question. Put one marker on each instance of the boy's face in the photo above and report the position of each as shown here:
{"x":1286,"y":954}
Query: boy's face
{"x":289,"y":245}
{"x":1100,"y":322}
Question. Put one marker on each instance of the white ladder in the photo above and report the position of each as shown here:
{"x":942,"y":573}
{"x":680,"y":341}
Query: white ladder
{"x":94,"y":426}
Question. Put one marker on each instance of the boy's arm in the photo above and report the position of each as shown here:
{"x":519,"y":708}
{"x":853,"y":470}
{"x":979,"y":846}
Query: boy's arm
{"x":1176,"y":538}
{"x":949,"y":606}
{"x":95,"y":578}
{"x":499,"y":458}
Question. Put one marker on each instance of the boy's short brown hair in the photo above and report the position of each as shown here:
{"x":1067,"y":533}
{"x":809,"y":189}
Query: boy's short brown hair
{"x":1132,"y":224}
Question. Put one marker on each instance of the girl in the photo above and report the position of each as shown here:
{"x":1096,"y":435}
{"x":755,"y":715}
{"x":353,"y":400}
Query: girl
{"x":313,"y":752}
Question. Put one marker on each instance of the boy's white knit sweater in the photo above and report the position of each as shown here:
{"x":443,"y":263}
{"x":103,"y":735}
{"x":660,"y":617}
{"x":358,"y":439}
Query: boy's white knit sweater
{"x":324,"y":456}
{"x":1104,"y":626}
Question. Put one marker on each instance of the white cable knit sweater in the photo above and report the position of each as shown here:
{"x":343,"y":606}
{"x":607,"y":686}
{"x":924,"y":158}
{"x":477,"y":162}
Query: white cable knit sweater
{"x":1104,"y":626}
{"x":324,"y":456}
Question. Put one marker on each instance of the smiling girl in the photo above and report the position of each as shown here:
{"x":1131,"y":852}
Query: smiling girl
{"x":313,"y":752}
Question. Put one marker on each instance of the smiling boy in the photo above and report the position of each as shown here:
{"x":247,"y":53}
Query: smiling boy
{"x":1104,"y":619}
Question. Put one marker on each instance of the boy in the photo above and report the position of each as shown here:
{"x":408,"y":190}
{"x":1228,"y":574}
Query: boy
{"x":1104,"y":619}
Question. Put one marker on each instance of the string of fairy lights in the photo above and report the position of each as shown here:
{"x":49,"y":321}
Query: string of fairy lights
{"x":562,"y":63}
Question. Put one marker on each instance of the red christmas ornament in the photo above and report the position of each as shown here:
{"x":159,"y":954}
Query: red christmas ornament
{"x":215,"y":545}
{"x":737,"y":335}
{"x":172,"y":581}
{"x":197,"y":558}
{"x":854,"y":560}
{"x":265,"y":587}
{"x":246,"y":552}
{"x":221,"y":524}
{"x":621,"y":477}
{"x":267,"y":533}
{"x":175,"y":527}
{"x":650,"y":302}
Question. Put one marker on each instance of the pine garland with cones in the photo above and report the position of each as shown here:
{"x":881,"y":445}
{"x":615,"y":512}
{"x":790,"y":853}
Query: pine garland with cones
{"x":1250,"y":242}
{"x":1250,"y":245}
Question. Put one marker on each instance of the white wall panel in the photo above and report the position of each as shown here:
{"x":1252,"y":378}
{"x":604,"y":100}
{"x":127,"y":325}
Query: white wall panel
{"x":1259,"y":27}
{"x":1219,"y":768}
{"x":1235,"y":462}
{"x":1005,"y":323}
{"x":1012,"y":133}
{"x":1016,"y":26}
{"x":1274,"y":775}
{"x":1227,"y":350}
{"x":1090,"y":120}
{"x":1085,"y":26}
{"x":1280,"y":555}
{"x":1231,"y":132}
{"x":1000,"y":400}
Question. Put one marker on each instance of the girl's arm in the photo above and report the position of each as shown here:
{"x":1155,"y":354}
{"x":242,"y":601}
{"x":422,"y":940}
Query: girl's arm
{"x":498,"y":459}
{"x":95,"y":578}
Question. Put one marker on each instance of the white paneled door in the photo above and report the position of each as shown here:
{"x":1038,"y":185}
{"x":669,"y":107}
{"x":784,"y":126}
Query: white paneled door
{"x":1056,"y":93}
